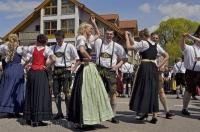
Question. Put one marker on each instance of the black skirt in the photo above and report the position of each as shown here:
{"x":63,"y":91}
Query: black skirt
{"x":38,"y":105}
{"x":75,"y":106}
{"x":144,"y":98}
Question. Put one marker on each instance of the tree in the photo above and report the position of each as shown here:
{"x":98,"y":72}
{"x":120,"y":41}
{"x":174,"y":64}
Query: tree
{"x":170,"y":32}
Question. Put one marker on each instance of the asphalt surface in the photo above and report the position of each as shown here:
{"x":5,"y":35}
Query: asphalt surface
{"x":128,"y":122}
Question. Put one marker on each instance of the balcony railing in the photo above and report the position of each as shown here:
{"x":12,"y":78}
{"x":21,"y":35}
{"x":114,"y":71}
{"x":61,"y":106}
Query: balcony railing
{"x":27,"y":38}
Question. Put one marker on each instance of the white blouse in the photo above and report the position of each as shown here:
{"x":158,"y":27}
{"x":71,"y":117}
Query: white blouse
{"x":4,"y":49}
{"x":144,"y":45}
{"x":29,"y":50}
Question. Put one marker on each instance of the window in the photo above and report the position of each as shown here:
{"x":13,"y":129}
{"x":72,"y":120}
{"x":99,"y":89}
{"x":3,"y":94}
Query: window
{"x":68,"y":8}
{"x":68,"y":26}
{"x":50,"y":27}
{"x":51,"y":9}
{"x":37,"y":28}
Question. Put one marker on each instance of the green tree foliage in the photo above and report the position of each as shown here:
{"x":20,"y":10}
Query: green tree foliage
{"x":170,"y":32}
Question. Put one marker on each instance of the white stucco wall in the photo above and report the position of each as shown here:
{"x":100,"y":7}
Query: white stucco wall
{"x":31,"y":27}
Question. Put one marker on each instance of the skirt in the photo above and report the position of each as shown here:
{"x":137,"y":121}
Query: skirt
{"x":144,"y":98}
{"x":12,"y":90}
{"x":89,"y":103}
{"x":38,"y":105}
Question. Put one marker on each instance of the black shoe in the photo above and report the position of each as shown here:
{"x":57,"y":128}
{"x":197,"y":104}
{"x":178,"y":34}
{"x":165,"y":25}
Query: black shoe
{"x":34,"y":124}
{"x":194,"y":98}
{"x":169,"y":115}
{"x":17,"y":115}
{"x":154,"y":120}
{"x":185,"y":112}
{"x":115,"y":120}
{"x":40,"y":123}
{"x":177,"y":97}
{"x":28,"y":122}
{"x":58,"y":116}
{"x":143,"y":117}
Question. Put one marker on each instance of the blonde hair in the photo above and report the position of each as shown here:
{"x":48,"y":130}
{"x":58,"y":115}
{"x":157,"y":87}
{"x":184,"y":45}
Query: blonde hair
{"x":13,"y":43}
{"x":82,"y":28}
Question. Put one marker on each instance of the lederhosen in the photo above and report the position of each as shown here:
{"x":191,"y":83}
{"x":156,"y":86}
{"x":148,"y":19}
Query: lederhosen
{"x":192,"y":77}
{"x":108,"y":76}
{"x":180,"y":77}
{"x":61,"y":76}
{"x":127,"y":77}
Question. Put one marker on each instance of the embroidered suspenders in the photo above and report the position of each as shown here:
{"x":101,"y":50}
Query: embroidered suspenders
{"x":107,"y":56}
{"x":60,"y":54}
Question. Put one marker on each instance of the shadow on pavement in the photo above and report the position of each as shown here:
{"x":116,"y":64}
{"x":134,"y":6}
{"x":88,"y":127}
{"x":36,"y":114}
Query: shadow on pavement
{"x":194,"y":113}
{"x":128,"y":117}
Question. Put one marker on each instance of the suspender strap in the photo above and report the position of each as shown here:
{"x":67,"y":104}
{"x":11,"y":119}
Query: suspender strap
{"x":179,"y":68}
{"x":195,"y":58}
{"x":112,"y":53}
{"x":100,"y":53}
{"x":64,"y":54}
{"x":54,"y":50}
{"x":127,"y":68}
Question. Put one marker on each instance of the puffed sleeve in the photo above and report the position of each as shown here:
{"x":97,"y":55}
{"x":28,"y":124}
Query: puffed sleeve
{"x":74,"y":52}
{"x":3,"y":49}
{"x":160,"y":50}
{"x":141,"y":46}
{"x":81,"y":40}
{"x":20,"y":50}
{"x":48,"y":52}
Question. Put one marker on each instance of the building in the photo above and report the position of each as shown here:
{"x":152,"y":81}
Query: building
{"x":66,"y":15}
{"x":123,"y":25}
{"x":1,"y":40}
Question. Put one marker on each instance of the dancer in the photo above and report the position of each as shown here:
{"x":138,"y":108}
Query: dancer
{"x":144,"y":98}
{"x":179,"y":71}
{"x":38,"y":106}
{"x":12,"y":88}
{"x":62,"y":77}
{"x":108,"y":53}
{"x":168,"y":114}
{"x":89,"y":103}
{"x":192,"y":65}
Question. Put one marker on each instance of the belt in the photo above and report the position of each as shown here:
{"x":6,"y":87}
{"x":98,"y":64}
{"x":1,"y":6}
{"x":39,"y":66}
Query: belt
{"x":147,"y":60}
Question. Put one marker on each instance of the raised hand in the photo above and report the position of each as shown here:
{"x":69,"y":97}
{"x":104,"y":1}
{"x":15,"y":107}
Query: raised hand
{"x":93,"y":20}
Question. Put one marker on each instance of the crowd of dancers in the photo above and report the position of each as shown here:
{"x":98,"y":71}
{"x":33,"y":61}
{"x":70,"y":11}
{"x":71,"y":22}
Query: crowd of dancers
{"x":28,"y":70}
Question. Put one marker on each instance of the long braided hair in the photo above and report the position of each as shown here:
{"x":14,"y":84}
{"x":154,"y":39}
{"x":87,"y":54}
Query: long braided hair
{"x":13,"y":43}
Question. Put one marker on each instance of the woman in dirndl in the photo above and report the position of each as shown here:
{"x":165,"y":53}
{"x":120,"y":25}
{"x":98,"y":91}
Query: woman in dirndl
{"x":89,"y":103}
{"x":38,"y":106}
{"x":144,"y":98}
{"x":12,"y":88}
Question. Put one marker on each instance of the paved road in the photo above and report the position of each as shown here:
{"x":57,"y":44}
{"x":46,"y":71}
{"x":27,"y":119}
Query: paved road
{"x":127,"y":121}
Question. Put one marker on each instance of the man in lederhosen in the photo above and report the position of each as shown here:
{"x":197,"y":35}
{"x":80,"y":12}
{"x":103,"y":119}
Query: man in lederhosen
{"x":179,"y":71}
{"x":127,"y":70}
{"x":62,"y":77}
{"x":109,"y":57}
{"x":192,"y":65}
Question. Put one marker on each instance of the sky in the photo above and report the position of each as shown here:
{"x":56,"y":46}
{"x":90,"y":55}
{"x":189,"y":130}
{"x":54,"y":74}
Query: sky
{"x":148,"y":13}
